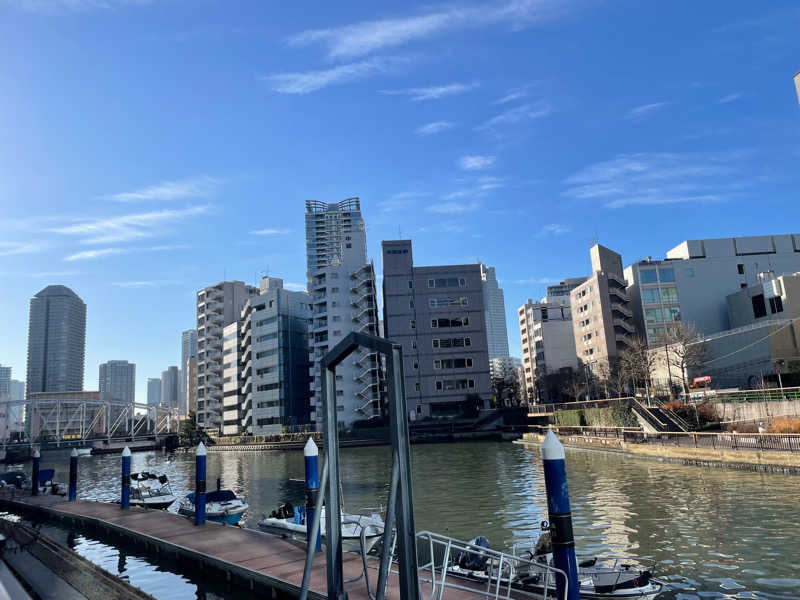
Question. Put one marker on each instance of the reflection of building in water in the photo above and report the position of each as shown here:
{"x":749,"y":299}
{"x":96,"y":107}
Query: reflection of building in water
{"x":613,"y":512}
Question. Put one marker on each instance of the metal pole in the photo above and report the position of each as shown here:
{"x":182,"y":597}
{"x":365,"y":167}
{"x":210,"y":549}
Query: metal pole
{"x":73,"y":475}
{"x":311,"y":460}
{"x":406,"y":533}
{"x":333,"y":513}
{"x":200,"y":485}
{"x":555,"y":479}
{"x":314,"y":532}
{"x":388,"y":526}
{"x":586,"y":376}
{"x":125,"y":496}
{"x":35,"y":473}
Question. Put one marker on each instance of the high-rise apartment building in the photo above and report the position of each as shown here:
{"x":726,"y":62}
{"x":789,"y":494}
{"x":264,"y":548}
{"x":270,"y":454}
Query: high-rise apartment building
{"x":189,"y":378}
{"x":691,"y":284}
{"x":561,"y":290}
{"x":170,"y":387}
{"x":153,"y":391}
{"x":188,"y":350}
{"x":342,"y":288}
{"x":56,"y":341}
{"x":118,"y":380}
{"x":266,"y":373}
{"x":438,"y":316}
{"x":548,"y":344}
{"x":217,"y":307}
{"x":5,"y":379}
{"x":495,"y":317}
{"x":602,"y":319}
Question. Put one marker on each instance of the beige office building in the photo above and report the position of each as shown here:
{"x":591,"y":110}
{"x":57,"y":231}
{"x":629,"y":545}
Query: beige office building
{"x":602,"y":320}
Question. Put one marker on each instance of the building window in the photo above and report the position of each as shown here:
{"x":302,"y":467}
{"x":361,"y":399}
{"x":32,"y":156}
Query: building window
{"x":413,"y":323}
{"x":759,"y":308}
{"x":673,"y":313}
{"x":669,"y":294}
{"x":416,"y":365}
{"x":416,"y":388}
{"x":776,"y":304}
{"x":666,"y":275}
{"x":411,"y":304}
{"x":413,"y":344}
{"x":653,"y":315}
{"x":410,"y":284}
{"x":650,"y":296}
{"x":740,"y":269}
{"x":648,"y":276}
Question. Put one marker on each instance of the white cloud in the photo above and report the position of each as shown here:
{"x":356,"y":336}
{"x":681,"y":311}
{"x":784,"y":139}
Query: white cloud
{"x":130,"y":227}
{"x":433,"y":92}
{"x":52,"y":274}
{"x":270,"y":231}
{"x":366,"y":37}
{"x":516,"y":115}
{"x":435,"y":127}
{"x":658,"y":178}
{"x":535,"y":281}
{"x":198,"y":187}
{"x":295,"y":287}
{"x":513,"y":94}
{"x":12,"y":248}
{"x":60,"y":6}
{"x":475,"y":162}
{"x":452,"y":208}
{"x":399,"y":202}
{"x":311,"y":81}
{"x":553,"y":229}
{"x":145,"y":284}
{"x":730,"y":98}
{"x":92,"y":254}
{"x":645,"y":110}
{"x":487,"y":182}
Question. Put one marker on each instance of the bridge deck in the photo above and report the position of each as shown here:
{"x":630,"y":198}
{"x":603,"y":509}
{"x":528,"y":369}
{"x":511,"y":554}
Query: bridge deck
{"x":250,"y":556}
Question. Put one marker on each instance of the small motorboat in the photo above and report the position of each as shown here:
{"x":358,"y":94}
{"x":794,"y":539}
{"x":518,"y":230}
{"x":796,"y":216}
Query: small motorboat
{"x":290,"y":522}
{"x":17,"y":479}
{"x":611,"y":577}
{"x":222,"y":506}
{"x":151,"y":491}
{"x":47,"y":485}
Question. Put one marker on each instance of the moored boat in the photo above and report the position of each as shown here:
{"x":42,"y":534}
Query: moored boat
{"x":222,"y":506}
{"x":290,"y":522}
{"x":151,"y":491}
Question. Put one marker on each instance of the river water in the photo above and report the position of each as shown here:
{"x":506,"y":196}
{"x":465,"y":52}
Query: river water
{"x":715,"y":533}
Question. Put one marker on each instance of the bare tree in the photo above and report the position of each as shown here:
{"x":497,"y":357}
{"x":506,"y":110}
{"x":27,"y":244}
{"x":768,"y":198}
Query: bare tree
{"x":685,"y":350}
{"x":638,"y":363}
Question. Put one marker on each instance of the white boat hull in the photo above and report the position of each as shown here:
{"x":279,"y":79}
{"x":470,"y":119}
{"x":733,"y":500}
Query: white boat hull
{"x":351,"y":532}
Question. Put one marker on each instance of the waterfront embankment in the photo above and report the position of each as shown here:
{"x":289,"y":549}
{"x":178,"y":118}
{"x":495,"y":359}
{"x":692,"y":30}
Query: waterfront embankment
{"x":749,"y":452}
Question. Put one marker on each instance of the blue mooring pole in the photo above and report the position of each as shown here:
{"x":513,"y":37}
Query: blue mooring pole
{"x":73,"y":475}
{"x":125,"y":495}
{"x":311,"y":459}
{"x":35,"y":473}
{"x":200,"y":485}
{"x":563,"y":542}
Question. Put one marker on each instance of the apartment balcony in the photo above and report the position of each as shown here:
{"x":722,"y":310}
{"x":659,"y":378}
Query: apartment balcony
{"x":213,"y":330}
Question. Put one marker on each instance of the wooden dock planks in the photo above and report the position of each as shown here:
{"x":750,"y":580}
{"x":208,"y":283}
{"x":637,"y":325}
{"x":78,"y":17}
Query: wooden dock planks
{"x":251,"y":554}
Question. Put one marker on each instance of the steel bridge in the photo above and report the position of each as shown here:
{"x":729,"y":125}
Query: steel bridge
{"x":67,"y":421}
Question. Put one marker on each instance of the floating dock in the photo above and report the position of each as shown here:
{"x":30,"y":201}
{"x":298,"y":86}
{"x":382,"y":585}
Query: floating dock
{"x":244,"y":557}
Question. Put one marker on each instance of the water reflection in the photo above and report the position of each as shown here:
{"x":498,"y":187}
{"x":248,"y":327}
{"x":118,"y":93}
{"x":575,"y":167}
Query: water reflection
{"x":715,"y":533}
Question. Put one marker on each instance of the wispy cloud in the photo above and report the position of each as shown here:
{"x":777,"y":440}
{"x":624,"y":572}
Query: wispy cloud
{"x":311,"y":81}
{"x":198,"y":187}
{"x":517,"y":93}
{"x":145,"y":284}
{"x":730,"y":98}
{"x":433,"y":92}
{"x":295,"y":287}
{"x":270,"y":232}
{"x":639,"y":112}
{"x":52,"y":274}
{"x":129,"y":227}
{"x":553,"y":229}
{"x":103,"y":252}
{"x":366,"y":37}
{"x":487,"y":182}
{"x":399,"y":202}
{"x":12,"y":248}
{"x":513,"y":116}
{"x":453,"y":208}
{"x":658,"y":178}
{"x":475,"y":162}
{"x":435,"y":127}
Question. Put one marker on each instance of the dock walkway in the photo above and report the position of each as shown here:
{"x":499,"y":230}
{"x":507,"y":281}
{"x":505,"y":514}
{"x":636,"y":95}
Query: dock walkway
{"x":246,"y":557}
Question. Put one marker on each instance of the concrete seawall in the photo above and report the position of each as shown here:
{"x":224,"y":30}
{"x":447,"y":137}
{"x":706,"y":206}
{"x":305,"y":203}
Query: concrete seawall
{"x":747,"y":460}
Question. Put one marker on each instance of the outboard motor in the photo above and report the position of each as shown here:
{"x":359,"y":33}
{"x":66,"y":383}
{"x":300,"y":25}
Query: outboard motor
{"x":473,"y":561}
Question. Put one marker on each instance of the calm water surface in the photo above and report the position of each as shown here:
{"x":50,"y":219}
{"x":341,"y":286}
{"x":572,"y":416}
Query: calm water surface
{"x":716,"y":533}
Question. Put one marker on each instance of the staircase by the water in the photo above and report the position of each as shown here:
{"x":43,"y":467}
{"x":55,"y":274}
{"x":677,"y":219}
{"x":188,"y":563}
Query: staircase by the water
{"x":657,"y":420}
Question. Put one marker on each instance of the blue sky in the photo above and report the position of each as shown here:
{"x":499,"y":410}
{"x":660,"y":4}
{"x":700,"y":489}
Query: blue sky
{"x":151,"y":147}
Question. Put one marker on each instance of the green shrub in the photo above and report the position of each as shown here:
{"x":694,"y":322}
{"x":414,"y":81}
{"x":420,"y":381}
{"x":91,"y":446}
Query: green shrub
{"x":622,"y":415}
{"x":569,"y":418}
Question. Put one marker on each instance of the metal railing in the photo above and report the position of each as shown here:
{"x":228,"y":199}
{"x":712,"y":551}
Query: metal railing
{"x":543,"y":409}
{"x":496,"y":581}
{"x":785,"y":442}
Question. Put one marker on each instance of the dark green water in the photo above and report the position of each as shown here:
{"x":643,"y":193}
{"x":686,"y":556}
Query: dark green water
{"x":716,"y":533}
